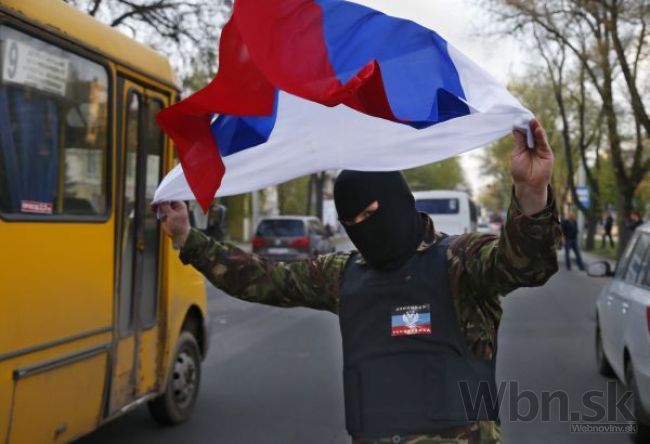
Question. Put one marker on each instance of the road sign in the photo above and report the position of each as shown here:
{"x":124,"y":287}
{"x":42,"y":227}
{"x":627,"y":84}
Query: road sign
{"x":583,"y":195}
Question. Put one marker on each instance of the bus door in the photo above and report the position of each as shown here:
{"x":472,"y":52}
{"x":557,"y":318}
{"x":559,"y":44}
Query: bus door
{"x":136,"y":357}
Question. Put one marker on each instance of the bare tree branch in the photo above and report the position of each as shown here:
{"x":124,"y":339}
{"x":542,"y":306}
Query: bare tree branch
{"x":94,"y":7}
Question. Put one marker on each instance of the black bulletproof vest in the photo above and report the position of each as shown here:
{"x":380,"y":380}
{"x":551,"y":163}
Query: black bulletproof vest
{"x":405,"y":358}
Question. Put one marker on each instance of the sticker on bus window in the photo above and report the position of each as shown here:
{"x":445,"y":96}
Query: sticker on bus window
{"x":30,"y":206}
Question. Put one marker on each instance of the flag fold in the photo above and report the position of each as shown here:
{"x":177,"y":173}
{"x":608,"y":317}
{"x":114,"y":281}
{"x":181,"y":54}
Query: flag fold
{"x":309,"y":85}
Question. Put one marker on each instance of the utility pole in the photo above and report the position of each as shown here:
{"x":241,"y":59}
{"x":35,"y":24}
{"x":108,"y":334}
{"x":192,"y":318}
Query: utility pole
{"x":255,"y":211}
{"x":582,"y":185}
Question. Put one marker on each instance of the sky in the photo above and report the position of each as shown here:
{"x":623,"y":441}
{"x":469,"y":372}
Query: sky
{"x":463,"y":24}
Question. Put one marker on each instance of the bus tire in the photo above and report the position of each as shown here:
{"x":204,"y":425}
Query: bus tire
{"x":176,"y":404}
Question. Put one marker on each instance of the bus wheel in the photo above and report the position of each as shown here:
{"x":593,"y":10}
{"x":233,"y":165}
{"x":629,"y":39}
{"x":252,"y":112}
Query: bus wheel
{"x":176,"y":404}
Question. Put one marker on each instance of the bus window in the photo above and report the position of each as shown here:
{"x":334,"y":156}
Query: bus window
{"x":53,"y":130}
{"x":128,"y":223}
{"x":438,"y":206}
{"x":153,"y":147}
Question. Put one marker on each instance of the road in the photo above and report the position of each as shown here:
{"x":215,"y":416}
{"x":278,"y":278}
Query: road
{"x":274,"y":375}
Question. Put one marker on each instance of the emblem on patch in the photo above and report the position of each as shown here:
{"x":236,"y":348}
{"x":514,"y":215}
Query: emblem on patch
{"x":411,"y":320}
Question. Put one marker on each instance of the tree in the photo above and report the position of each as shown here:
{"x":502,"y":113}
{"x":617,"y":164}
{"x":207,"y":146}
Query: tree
{"x":292,"y":196}
{"x":605,"y":37}
{"x":315,"y":194}
{"x":581,"y":124}
{"x":447,"y":174}
{"x":536,"y":93}
{"x":187,"y":31}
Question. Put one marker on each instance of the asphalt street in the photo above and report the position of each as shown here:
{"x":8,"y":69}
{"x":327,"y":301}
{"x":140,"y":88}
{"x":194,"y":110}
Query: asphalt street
{"x":274,"y":375}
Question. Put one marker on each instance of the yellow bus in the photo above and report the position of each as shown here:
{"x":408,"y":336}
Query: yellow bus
{"x":97,"y":314}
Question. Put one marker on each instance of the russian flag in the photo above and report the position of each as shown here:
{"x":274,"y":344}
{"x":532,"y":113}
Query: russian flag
{"x":310,"y":85}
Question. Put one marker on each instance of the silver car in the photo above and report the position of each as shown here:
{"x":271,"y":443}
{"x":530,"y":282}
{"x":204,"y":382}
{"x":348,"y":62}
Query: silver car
{"x":291,"y":238}
{"x":623,"y":323}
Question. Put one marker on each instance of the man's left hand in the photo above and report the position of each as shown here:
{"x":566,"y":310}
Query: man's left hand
{"x":531,"y":169}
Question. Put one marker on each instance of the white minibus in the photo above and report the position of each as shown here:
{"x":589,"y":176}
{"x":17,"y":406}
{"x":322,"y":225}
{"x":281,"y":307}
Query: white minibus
{"x":452,"y":211}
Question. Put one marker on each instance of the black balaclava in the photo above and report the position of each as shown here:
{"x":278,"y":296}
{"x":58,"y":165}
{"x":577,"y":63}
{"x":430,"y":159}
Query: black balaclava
{"x":389,"y":237}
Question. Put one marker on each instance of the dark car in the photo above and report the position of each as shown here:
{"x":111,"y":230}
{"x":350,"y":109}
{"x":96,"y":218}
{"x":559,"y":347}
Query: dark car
{"x":291,"y":238}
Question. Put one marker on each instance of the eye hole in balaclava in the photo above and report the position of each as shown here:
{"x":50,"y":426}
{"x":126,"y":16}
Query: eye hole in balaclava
{"x":391,"y":235}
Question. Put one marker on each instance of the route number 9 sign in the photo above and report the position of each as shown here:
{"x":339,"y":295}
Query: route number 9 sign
{"x":29,"y":66}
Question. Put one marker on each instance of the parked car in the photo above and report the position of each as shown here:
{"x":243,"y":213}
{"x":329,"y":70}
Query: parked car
{"x":623,"y":323}
{"x":483,"y":226}
{"x":291,"y":238}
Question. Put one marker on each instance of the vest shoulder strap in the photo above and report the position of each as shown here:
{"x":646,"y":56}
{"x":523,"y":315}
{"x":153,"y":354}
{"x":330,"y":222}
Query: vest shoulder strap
{"x":446,"y":240}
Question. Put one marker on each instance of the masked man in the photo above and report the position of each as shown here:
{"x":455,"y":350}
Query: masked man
{"x":418,"y":310}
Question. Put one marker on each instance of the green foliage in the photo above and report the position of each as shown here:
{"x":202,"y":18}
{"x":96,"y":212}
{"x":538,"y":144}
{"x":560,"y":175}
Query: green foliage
{"x":643,"y":198}
{"x":604,"y":173}
{"x":292,"y":196}
{"x":496,"y":163}
{"x":237,"y":210}
{"x":445,"y":175}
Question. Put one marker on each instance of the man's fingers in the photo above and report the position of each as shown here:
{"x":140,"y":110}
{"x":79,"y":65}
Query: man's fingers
{"x":520,"y":140}
{"x":539,"y":134}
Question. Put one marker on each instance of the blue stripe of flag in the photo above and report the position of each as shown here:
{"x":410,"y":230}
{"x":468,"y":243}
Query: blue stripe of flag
{"x":420,"y":78}
{"x":423,"y":319}
{"x":235,"y":133}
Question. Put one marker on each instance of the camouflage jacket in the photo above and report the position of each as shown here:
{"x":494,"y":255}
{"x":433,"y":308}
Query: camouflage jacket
{"x":482,"y":267}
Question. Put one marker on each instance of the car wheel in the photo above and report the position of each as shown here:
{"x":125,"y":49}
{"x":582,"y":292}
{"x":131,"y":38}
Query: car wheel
{"x":604,"y":368}
{"x":643,"y":430}
{"x":176,"y":404}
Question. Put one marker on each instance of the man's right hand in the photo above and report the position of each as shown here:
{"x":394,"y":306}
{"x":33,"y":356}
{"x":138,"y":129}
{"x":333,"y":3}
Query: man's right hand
{"x":175,"y":221}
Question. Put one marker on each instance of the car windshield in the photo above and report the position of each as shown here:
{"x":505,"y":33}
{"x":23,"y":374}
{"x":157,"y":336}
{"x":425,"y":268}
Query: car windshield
{"x":437,"y":206}
{"x":281,"y":228}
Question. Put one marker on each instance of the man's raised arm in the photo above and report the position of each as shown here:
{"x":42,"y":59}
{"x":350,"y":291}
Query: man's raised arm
{"x":312,"y":283}
{"x":525,"y":254}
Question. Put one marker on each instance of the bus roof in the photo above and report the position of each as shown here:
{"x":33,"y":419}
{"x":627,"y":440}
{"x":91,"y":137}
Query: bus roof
{"x":79,"y":26}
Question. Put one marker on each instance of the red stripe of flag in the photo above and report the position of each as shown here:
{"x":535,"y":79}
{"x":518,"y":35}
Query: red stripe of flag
{"x":269,"y":44}
{"x":239,"y":88}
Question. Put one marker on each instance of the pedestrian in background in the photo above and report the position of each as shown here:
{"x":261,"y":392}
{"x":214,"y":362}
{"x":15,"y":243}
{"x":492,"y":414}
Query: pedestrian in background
{"x":608,"y":223}
{"x":216,"y":222}
{"x":570,"y":231}
{"x":634,"y":220}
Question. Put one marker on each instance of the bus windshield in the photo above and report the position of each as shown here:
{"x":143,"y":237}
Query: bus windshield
{"x":438,"y":206}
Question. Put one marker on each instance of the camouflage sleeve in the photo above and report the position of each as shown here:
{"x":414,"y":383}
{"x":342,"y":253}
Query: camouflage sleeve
{"x":486,"y":266}
{"x":312,"y":283}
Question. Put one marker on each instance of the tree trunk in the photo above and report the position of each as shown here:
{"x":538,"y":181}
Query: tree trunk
{"x":281,"y":199}
{"x":592,"y":224}
{"x":592,"y":217}
{"x":320,"y":182}
{"x":624,"y":205}
{"x":310,"y":192}
{"x":236,"y":213}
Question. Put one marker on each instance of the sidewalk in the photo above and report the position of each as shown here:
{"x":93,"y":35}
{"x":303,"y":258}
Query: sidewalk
{"x":588,"y":257}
